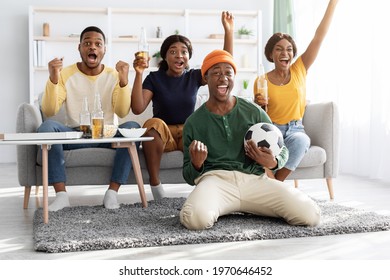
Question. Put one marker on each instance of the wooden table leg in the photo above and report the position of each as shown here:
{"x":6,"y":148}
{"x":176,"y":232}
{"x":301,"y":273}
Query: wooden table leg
{"x":132,"y":148}
{"x":137,"y":172}
{"x":45,"y":183}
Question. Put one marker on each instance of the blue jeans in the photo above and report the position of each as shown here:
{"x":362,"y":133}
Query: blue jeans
{"x":122,"y":162}
{"x":296,"y":141}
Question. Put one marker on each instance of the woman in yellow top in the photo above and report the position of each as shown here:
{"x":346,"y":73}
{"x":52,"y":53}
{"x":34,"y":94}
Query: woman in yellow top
{"x":287,"y":89}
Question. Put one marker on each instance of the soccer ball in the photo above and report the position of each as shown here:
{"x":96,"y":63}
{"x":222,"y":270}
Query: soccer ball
{"x":266,"y":135}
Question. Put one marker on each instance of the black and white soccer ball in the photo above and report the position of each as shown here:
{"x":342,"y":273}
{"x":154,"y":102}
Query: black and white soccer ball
{"x":266,"y":135}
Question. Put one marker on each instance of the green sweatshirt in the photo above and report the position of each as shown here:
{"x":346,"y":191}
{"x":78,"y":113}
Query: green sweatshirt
{"x":224,"y":138}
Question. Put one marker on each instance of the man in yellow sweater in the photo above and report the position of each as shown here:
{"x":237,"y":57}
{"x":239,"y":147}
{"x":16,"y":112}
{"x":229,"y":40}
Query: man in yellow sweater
{"x":68,"y":86}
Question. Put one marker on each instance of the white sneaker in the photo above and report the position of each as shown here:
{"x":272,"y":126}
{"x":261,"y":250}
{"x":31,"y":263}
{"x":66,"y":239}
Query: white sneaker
{"x":110,"y":200}
{"x":158,"y":191}
{"x":61,"y":201}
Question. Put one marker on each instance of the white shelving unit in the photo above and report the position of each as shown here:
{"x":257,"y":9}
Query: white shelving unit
{"x":122,"y":28}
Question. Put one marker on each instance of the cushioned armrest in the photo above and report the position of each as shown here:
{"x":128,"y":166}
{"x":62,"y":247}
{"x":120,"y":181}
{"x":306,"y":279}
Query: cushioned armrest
{"x":321,"y":123}
{"x":28,"y":119}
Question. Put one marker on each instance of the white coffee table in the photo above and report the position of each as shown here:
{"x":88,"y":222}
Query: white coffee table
{"x":117,"y":142}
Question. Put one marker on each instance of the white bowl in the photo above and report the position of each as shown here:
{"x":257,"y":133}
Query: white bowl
{"x":132,"y":132}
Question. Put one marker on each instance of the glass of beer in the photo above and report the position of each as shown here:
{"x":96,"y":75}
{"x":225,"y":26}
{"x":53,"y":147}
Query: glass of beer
{"x":97,"y":128}
{"x":86,"y":130}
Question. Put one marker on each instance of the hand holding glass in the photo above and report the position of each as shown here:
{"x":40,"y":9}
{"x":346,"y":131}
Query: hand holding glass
{"x":261,"y":92}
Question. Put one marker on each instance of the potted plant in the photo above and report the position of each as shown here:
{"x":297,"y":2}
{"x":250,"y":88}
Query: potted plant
{"x":244,"y":33}
{"x":245,"y":84}
{"x":244,"y":91}
{"x":157,"y":57}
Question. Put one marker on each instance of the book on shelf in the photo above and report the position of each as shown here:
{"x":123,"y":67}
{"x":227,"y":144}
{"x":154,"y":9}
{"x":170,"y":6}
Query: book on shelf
{"x":39,"y":53}
{"x":35,"y":53}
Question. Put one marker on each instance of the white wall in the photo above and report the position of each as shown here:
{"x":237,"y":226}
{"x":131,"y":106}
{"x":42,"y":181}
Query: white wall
{"x":14,"y":47}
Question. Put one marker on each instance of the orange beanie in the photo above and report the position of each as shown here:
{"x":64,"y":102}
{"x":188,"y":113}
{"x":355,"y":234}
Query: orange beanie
{"x":217,"y":56}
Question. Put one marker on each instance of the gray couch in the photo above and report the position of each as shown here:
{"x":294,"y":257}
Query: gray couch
{"x":93,"y":166}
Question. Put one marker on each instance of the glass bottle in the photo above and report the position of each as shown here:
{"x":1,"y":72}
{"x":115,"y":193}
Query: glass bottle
{"x":261,"y":87}
{"x":97,"y":118}
{"x":143,"y":46}
{"x":85,"y":119}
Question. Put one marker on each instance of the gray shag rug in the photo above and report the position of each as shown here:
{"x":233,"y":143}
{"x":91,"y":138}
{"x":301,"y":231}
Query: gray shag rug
{"x":85,"y":228}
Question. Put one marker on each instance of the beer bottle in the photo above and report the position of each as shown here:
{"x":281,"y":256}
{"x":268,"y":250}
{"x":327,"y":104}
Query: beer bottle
{"x":261,"y":87}
{"x":85,"y":119}
{"x":143,"y":46}
{"x":97,"y":118}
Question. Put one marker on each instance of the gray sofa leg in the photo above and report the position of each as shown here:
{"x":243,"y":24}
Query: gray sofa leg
{"x":27,"y":191}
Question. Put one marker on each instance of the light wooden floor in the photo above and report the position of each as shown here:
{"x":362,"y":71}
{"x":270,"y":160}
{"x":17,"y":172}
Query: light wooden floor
{"x":16,"y":241}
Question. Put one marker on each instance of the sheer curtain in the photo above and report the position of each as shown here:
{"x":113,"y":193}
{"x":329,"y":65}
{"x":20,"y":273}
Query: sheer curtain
{"x":352,"y":69}
{"x":283,"y":17}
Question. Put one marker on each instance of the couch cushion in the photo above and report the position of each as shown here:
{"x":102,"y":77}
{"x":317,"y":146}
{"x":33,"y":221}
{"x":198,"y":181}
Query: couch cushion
{"x":314,"y":156}
{"x":86,"y":157}
{"x":105,"y":157}
{"x":28,"y":118}
{"x":172,"y":160}
{"x":59,"y":117}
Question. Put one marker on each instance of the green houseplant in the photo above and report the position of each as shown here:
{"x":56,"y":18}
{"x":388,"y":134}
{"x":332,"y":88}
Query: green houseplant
{"x":157,"y":57}
{"x":245,"y":84}
{"x":244,"y":32}
{"x":244,"y":92}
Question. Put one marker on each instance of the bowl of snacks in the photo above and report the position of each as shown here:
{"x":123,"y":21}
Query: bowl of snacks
{"x":132,"y":132}
{"x":109,"y":130}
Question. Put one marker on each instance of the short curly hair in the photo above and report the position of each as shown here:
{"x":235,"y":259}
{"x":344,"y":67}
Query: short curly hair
{"x":269,"y":47}
{"x":92,"y":29}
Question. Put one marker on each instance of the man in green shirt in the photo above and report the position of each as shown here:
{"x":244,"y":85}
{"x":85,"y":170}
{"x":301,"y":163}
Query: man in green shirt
{"x":229,"y":176}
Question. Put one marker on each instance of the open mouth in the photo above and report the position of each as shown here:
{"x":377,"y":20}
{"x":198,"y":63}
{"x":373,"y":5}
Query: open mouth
{"x":179,"y":64}
{"x":284,"y":61}
{"x":92,"y":57}
{"x":222,"y":89}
